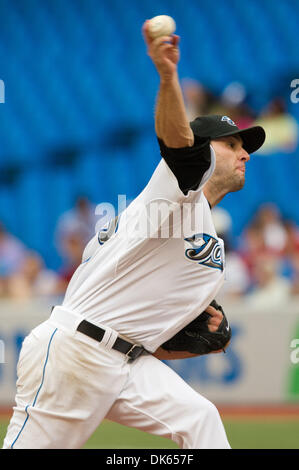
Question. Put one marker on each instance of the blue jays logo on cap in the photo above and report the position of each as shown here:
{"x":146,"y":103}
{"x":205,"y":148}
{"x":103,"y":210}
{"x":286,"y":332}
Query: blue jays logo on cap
{"x":206,"y":250}
{"x":228,"y":120}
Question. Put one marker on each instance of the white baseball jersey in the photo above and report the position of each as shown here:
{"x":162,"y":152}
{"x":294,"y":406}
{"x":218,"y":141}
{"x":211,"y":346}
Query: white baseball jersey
{"x":157,"y":269}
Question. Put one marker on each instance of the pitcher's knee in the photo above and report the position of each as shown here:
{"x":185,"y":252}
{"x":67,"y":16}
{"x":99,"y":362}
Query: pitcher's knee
{"x":203,"y":426}
{"x":211,"y":410}
{"x":203,"y":412}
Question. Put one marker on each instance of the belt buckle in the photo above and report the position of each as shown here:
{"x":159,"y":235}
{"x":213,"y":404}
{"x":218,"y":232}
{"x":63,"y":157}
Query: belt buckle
{"x":131,"y":355}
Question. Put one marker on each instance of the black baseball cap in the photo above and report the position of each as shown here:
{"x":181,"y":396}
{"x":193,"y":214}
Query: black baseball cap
{"x":215,"y":126}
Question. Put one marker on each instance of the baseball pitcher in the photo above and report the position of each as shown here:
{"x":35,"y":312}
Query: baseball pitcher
{"x":144,"y":292}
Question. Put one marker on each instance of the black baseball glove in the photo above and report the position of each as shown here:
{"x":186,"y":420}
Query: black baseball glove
{"x":196,"y":337}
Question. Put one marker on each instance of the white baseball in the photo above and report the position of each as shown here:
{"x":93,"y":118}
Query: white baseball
{"x":161,"y":25}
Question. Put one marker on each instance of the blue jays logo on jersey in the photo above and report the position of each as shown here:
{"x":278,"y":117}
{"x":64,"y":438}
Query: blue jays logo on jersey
{"x":205,"y":250}
{"x":228,"y":120}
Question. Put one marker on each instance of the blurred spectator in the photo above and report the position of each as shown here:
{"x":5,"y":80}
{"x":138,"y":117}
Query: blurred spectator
{"x":295,"y":274}
{"x":237,"y":280}
{"x":12,"y":252}
{"x":12,"y":255}
{"x":270,"y":248}
{"x":272,"y":227}
{"x":252,"y":245}
{"x":222,"y":221}
{"x":198,"y":100}
{"x":265,"y":234}
{"x":233,"y":101}
{"x":280,"y":126}
{"x":292,"y":238}
{"x":79,"y":222}
{"x":73,"y":250}
{"x":291,"y":255}
{"x":74,"y":230}
{"x":270,"y":288}
{"x":76,"y":226}
{"x":32,"y":280}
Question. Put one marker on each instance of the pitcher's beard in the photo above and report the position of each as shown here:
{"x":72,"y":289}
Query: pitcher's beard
{"x":233,"y":181}
{"x":218,"y":186}
{"x":237,"y":183}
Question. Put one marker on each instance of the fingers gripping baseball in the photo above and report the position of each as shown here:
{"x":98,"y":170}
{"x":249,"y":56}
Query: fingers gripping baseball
{"x":163,"y":51}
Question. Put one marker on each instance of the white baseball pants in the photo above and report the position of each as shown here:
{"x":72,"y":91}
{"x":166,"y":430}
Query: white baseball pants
{"x":68,"y":383}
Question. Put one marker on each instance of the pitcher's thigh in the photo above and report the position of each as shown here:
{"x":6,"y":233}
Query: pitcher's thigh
{"x":157,"y":400}
{"x":66,"y":395}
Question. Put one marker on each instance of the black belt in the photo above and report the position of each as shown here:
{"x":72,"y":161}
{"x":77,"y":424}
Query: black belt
{"x":130,"y":350}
